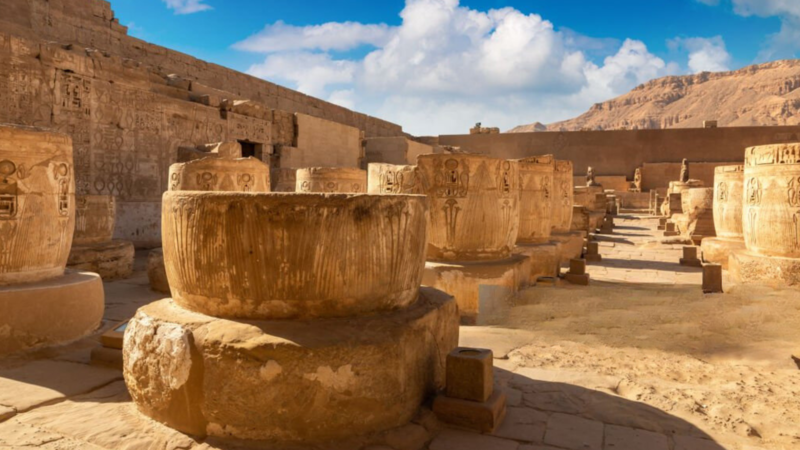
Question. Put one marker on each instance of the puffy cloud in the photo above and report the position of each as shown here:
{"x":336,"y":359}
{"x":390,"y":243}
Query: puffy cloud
{"x":328,"y":36}
{"x":447,"y":66}
{"x":705,"y":54}
{"x":786,"y":42}
{"x":187,"y":6}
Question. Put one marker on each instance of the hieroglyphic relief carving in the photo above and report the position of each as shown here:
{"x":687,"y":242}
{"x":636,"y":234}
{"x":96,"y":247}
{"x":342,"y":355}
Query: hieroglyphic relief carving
{"x":793,"y":194}
{"x":753,"y":201}
{"x":206,"y":181}
{"x":74,"y":93}
{"x":245,"y":180}
{"x":722,"y":191}
{"x":452,"y":182}
{"x":8,"y":190}
{"x":62,"y":176}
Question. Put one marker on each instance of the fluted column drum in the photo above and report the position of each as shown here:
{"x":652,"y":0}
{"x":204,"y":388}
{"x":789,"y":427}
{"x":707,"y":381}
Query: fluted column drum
{"x":280,"y":256}
{"x":95,"y":217}
{"x":37,"y":204}
{"x":345,"y":180}
{"x":771,"y":200}
{"x":536,"y":188}
{"x":283,"y":180}
{"x":562,"y":199}
{"x":728,"y":182}
{"x":212,"y":174}
{"x":392,"y":179}
{"x":474,"y":213}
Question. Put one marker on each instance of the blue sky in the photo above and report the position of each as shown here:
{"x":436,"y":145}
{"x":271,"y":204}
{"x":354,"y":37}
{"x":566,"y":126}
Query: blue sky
{"x":438,"y":66}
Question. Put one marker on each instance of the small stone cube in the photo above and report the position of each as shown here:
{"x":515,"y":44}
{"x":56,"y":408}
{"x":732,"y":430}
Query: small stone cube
{"x":712,"y":278}
{"x":480,"y":416}
{"x":577,"y":266}
{"x":469,"y":374}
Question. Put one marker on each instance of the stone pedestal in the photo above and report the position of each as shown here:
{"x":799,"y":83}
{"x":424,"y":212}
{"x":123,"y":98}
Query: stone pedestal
{"x":698,"y":208}
{"x":39,"y":304}
{"x":577,"y":272}
{"x":545,"y":259}
{"x":746,"y":266}
{"x":280,"y":328}
{"x":571,"y":244}
{"x":690,"y":257}
{"x":728,"y":197}
{"x":712,"y":278}
{"x":482,"y":288}
{"x":593,"y":252}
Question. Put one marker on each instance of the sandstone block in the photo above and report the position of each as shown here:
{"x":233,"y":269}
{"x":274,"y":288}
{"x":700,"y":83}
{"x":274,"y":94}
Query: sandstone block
{"x":712,"y":278}
{"x":571,"y":244}
{"x":213,"y":174}
{"x":562,"y":198}
{"x":545,"y":259}
{"x":536,"y":187}
{"x":469,"y":374}
{"x":156,"y":271}
{"x":392,"y":179}
{"x":690,"y":257}
{"x":283,"y":180}
{"x":112,"y":260}
{"x":719,"y":250}
{"x":345,"y":180}
{"x":577,"y":266}
{"x":480,"y":416}
{"x":593,"y":252}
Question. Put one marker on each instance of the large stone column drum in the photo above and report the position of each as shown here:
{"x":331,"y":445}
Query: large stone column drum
{"x":698,"y":210}
{"x":40,"y":304}
{"x":296,"y":318}
{"x":473,"y":224}
{"x":770,"y":216}
{"x":728,"y":196}
{"x":561,"y":206}
{"x":332,"y":180}
{"x":93,"y":246}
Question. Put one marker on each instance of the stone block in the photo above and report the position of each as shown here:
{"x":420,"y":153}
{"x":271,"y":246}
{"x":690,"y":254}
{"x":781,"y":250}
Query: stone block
{"x":719,"y":250}
{"x":593,"y":252}
{"x":749,"y":267}
{"x":469,"y":374}
{"x":479,"y":416}
{"x":544,"y":259}
{"x":112,"y":260}
{"x":156,"y":272}
{"x":712,"y":278}
{"x":574,"y":433}
{"x":690,"y":257}
{"x":577,"y":266}
{"x":670,"y":229}
{"x":582,"y":280}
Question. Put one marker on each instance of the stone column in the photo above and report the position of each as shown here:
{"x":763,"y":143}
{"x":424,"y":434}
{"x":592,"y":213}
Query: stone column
{"x":332,"y":179}
{"x":39,"y":304}
{"x":93,"y":247}
{"x":295,"y":318}
{"x":728,"y":195}
{"x":473,"y":224}
{"x":770,"y":217}
{"x":562,"y":201}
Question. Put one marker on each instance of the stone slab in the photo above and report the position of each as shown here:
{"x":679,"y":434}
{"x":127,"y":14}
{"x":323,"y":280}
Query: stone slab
{"x":111,"y":260}
{"x":479,"y":416}
{"x":156,"y":272}
{"x":574,"y":433}
{"x":624,"y":438}
{"x":461,"y":440}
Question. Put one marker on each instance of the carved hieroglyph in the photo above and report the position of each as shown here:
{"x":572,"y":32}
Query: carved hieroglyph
{"x":392,"y":179}
{"x":95,"y":216}
{"x":344,"y":180}
{"x":771,"y":200}
{"x":728,"y":196}
{"x":474,"y":212}
{"x":37,"y":204}
{"x":536,"y":190}
{"x":211,"y":174}
{"x":562,"y":200}
{"x":283,"y":180}
{"x":270,"y":256}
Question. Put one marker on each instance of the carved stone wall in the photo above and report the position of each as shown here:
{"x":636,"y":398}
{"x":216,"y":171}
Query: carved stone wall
{"x":212,"y":174}
{"x":393,"y":179}
{"x":95,"y":216}
{"x":536,"y":189}
{"x":562,"y":201}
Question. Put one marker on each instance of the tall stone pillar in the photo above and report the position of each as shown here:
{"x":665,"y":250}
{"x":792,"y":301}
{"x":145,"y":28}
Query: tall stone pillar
{"x":770,"y":217}
{"x":562,"y":201}
{"x":40,"y":303}
{"x":728,"y":196}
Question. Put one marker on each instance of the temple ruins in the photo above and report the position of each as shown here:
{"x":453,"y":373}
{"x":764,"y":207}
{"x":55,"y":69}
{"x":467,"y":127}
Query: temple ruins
{"x":194,"y":258}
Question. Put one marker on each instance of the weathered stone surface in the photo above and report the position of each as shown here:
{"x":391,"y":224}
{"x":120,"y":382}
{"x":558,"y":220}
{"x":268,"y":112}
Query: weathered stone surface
{"x":461,"y":440}
{"x":469,"y":374}
{"x":574,"y":433}
{"x":479,"y":416}
{"x":283,"y":180}
{"x":536,"y":188}
{"x":728,"y":197}
{"x":345,"y":180}
{"x":624,"y":438}
{"x":712,"y":278}
{"x":252,"y":255}
{"x":474,"y":213}
{"x":750,"y":267}
{"x":111,"y":260}
{"x":37,"y":204}
{"x":48,"y":312}
{"x":544,"y":259}
{"x":562,"y":198}
{"x":719,"y":250}
{"x":698,"y":208}
{"x":230,"y":175}
{"x":156,"y":271}
{"x":571,"y":243}
{"x":392,"y":179}
{"x":288,"y":380}
{"x":95,"y":217}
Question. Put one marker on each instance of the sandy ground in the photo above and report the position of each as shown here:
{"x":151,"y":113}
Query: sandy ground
{"x":638,"y":360}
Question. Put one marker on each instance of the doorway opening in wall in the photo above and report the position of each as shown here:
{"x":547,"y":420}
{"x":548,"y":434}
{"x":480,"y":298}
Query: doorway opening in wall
{"x":252,"y":149}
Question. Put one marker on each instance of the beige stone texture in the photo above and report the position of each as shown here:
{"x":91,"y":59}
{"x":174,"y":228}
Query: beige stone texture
{"x":469,"y":374}
{"x":37,"y":204}
{"x":226,"y":150}
{"x":95,"y":217}
{"x":474,"y":213}
{"x":481,"y":288}
{"x":616,"y":183}
{"x":283,"y":180}
{"x":49,"y":312}
{"x":728,"y":198}
{"x":323,"y":143}
{"x":571,"y":244}
{"x":545,"y":259}
{"x":483,"y":417}
{"x":536,"y":188}
{"x":698,"y":208}
{"x":392,"y":179}
{"x":746,"y":266}
{"x":563,"y":196}
{"x":111,"y":260}
{"x":288,"y":380}
{"x":157,"y":272}
{"x":293,"y":255}
{"x":712,"y":278}
{"x":395,"y":150}
{"x":229,"y":175}
{"x":343,"y":180}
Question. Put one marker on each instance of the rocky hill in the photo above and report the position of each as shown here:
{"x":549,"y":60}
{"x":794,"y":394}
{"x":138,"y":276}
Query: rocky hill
{"x":765,"y":94}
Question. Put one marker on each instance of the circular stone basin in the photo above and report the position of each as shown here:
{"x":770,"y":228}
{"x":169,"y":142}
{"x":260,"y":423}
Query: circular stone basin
{"x":95,"y":216}
{"x":474,"y":212}
{"x":277,"y":256}
{"x":771,"y":200}
{"x":37,"y":204}
{"x":728,"y":201}
{"x":345,"y":180}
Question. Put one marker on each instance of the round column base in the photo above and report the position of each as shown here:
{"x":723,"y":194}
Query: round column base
{"x":745,"y":266}
{"x":112,"y":260}
{"x":719,"y":250}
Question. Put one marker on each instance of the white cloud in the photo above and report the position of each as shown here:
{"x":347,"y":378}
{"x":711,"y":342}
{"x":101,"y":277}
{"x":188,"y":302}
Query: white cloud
{"x":705,"y":54}
{"x":447,"y":66}
{"x":328,"y":36}
{"x":187,"y":6}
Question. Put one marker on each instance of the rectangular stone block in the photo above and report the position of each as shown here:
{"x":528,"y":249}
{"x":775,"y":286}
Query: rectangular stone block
{"x":690,"y":257}
{"x":592,"y":252}
{"x":582,"y":280}
{"x":577,"y":266}
{"x":469,"y":374}
{"x":712,"y":278}
{"x":480,"y":416}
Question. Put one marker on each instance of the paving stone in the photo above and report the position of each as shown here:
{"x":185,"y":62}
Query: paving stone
{"x":523,"y":424}
{"x":624,"y":438}
{"x":48,"y":381}
{"x":555,"y":402}
{"x":513,"y":396}
{"x":692,"y":443}
{"x":407,"y":437}
{"x":574,"y":433}
{"x":463,"y":440}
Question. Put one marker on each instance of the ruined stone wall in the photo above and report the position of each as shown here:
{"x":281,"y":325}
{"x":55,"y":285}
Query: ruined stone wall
{"x":658,"y":175}
{"x":621,"y":152}
{"x":91,"y":23}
